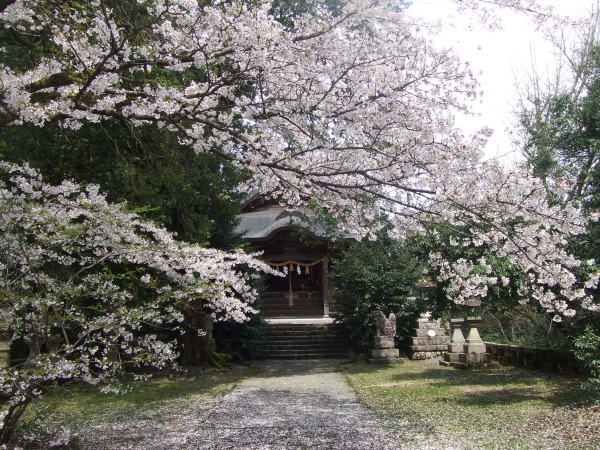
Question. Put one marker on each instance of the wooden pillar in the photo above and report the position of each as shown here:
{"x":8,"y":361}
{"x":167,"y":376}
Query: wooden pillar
{"x":325,"y":287}
{"x":4,"y":353}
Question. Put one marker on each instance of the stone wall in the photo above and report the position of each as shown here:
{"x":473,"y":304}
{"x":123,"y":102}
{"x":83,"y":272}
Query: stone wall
{"x":535,"y":358}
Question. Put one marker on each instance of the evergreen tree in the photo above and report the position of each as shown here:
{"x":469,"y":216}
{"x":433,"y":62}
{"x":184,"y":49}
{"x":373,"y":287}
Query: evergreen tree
{"x":370,"y":276}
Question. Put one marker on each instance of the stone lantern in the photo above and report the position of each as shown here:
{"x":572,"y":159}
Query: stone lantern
{"x":469,"y":352}
{"x":429,"y":336}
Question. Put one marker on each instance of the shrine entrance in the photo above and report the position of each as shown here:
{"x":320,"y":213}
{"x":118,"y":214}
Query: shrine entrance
{"x":299,"y":293}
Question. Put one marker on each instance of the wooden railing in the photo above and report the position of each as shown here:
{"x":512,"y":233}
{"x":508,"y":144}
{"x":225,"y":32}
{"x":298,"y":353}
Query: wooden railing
{"x":304,"y":303}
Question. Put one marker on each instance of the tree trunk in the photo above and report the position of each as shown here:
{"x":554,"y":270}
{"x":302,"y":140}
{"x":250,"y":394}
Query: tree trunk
{"x":11,"y":418}
{"x":197,"y":351}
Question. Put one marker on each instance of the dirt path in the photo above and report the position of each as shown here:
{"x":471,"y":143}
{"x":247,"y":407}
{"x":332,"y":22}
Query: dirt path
{"x":284,"y":405}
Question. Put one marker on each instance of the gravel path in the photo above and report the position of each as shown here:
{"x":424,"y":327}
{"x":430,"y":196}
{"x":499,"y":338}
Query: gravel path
{"x":292,"y":404}
{"x":284,"y":405}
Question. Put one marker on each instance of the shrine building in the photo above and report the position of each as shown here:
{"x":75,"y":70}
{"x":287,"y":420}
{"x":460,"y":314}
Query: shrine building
{"x":304,"y":290}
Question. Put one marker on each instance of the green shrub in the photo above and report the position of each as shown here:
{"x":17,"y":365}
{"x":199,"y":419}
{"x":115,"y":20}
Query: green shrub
{"x":370,"y":276}
{"x":524,"y":325}
{"x":588,"y":352}
{"x":240,"y":340}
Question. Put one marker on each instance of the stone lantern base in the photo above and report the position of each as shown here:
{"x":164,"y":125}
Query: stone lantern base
{"x":385,"y":356}
{"x":469,"y":353}
{"x":430,"y":338}
{"x":469,"y":361}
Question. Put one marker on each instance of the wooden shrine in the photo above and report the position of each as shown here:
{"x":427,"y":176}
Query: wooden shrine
{"x":303,"y":290}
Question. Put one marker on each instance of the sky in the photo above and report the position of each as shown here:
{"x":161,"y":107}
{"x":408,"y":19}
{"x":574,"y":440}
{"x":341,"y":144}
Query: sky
{"x":502,"y":56}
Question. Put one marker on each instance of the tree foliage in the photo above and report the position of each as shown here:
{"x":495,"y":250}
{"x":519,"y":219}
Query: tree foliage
{"x":354,"y":107}
{"x":192,"y":195}
{"x":588,"y":351}
{"x":561,"y":134}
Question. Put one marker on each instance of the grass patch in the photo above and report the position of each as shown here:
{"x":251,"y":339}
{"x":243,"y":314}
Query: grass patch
{"x":86,"y":403}
{"x":75,"y":406}
{"x":505,"y":408}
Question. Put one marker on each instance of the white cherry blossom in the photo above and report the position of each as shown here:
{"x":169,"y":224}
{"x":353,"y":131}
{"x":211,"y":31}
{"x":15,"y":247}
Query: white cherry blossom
{"x":354,"y":109}
{"x":73,"y":268}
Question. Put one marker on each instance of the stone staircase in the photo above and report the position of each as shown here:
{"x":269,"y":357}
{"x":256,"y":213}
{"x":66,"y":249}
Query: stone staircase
{"x":302,"y":341}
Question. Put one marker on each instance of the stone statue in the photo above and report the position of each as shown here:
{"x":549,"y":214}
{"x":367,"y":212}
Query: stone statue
{"x":383,"y":351}
{"x":385,"y":327}
{"x":385,"y":330}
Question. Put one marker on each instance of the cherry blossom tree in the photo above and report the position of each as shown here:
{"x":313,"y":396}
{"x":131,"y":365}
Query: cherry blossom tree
{"x":486,"y":11}
{"x":558,"y":117}
{"x":353,"y":107}
{"x":89,"y":285}
{"x":557,"y":110}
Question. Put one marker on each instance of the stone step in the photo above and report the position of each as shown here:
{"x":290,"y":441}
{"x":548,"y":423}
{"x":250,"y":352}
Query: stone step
{"x":295,"y":305}
{"x":307,"y":313}
{"x":427,"y":325}
{"x":325,"y":340}
{"x":429,"y":348}
{"x":294,"y":311}
{"x":304,"y":356}
{"x":438,"y":340}
{"x":286,"y":300}
{"x":298,"y":346}
{"x":302,"y":341}
{"x":291,"y":334}
{"x":424,"y":332}
{"x":301,"y":351}
{"x":293,"y":328}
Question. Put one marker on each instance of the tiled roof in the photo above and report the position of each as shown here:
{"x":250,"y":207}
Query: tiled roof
{"x":263,"y":222}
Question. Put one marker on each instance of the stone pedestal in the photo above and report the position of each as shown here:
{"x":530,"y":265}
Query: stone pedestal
{"x":35,"y":348}
{"x":384,"y":356}
{"x":430,"y":339}
{"x":383,"y":342}
{"x":54,"y":344}
{"x":208,"y":327}
{"x":36,"y":344}
{"x":383,"y":351}
{"x":457,"y":339}
{"x":112,"y":353}
{"x":473,"y":343}
{"x":4,"y":355}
